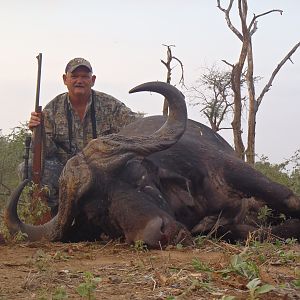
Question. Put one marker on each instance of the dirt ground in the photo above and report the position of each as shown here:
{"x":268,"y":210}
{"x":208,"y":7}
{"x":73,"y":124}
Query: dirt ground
{"x":114,"y":270}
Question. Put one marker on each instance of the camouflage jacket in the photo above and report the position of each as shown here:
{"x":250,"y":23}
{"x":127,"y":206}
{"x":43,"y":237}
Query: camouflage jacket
{"x":66,"y":134}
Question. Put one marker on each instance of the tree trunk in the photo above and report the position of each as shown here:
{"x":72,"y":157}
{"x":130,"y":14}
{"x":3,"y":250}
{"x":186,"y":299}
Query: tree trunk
{"x":167,"y":64}
{"x":236,"y":83}
{"x":236,"y":122}
{"x":169,"y":73}
{"x":250,"y":152}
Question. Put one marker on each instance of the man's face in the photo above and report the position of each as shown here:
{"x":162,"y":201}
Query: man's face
{"x":79,"y":82}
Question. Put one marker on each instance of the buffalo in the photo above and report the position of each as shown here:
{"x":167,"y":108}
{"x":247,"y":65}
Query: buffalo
{"x":160,"y":180}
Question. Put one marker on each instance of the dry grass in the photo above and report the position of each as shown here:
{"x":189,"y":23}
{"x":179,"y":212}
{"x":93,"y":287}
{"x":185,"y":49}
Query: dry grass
{"x":209,"y":270}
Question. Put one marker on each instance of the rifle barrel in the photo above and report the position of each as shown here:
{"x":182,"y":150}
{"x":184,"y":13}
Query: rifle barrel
{"x":38,"y":83}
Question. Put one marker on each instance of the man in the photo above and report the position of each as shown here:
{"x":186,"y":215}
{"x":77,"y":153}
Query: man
{"x":73,"y":118}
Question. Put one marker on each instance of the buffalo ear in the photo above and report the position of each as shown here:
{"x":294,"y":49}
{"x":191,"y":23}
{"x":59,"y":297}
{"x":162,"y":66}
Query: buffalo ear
{"x":178,"y":196}
{"x":177,"y":188}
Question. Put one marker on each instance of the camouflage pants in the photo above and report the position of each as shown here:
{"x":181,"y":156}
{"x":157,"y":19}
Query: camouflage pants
{"x":51,"y":172}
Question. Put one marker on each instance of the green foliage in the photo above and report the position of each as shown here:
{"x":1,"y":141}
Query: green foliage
{"x":140,"y":246}
{"x":11,"y":155}
{"x":31,"y":211}
{"x":264,"y":214}
{"x":256,"y":289}
{"x":286,"y":173}
{"x":238,"y":264}
{"x":288,"y":256}
{"x":59,"y":294}
{"x":5,"y":234}
{"x":199,"y":240}
{"x":179,"y":246}
{"x":201,"y":266}
{"x":42,"y":260}
{"x":244,"y":267}
{"x":296,"y":283}
{"x":213,"y":93}
{"x":295,"y":173}
{"x":87,"y":288}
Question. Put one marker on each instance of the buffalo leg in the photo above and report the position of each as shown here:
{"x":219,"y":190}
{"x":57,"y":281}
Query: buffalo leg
{"x":252,"y":183}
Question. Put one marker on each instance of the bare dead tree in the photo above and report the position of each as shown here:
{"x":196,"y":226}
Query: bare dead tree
{"x":246,"y":57}
{"x":168,"y":65}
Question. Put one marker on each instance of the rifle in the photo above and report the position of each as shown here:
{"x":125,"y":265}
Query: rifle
{"x":37,"y":132}
{"x":26,"y":157}
{"x":37,"y":149}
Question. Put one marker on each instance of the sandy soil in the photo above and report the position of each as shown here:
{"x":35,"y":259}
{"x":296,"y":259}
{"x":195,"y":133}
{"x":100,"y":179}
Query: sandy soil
{"x":119,"y":271}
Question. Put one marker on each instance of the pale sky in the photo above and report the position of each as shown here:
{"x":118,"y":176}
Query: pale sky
{"x":123,"y":41}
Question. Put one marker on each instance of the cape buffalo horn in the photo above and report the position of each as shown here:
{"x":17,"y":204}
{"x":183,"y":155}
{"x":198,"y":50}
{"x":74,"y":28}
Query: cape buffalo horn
{"x":175,"y":125}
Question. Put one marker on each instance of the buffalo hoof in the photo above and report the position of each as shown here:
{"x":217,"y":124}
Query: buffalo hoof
{"x":290,"y":228}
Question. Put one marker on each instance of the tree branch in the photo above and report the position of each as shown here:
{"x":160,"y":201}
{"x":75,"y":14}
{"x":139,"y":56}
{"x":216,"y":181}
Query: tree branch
{"x":269,"y":84}
{"x":228,"y":20}
{"x":227,"y":63}
{"x":254,"y":20}
{"x":181,"y":81}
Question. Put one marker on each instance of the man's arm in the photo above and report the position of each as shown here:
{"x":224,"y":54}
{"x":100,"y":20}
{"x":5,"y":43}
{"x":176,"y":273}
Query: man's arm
{"x":48,"y":124}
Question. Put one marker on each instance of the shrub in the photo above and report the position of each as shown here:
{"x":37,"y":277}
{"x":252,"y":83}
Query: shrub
{"x":286,"y":173}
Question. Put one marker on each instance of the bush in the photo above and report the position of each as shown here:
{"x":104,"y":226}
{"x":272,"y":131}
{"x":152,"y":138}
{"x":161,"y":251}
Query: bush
{"x":11,"y":155}
{"x":286,"y":173}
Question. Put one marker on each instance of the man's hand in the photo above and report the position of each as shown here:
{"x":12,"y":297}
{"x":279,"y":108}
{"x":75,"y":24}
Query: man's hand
{"x":35,"y":120}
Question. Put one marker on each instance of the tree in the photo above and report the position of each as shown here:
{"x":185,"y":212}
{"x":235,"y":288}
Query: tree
{"x":213,"y":92}
{"x":286,"y":173}
{"x":246,"y":60}
{"x":168,"y":65}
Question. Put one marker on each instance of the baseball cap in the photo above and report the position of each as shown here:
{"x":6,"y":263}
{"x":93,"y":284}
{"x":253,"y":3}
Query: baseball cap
{"x":77,"y":62}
